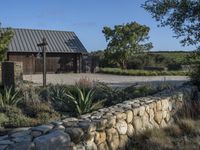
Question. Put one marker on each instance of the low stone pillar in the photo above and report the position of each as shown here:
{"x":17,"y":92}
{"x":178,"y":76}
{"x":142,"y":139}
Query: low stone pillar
{"x":12,"y":74}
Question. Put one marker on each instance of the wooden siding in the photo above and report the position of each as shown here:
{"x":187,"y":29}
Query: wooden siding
{"x":56,"y":63}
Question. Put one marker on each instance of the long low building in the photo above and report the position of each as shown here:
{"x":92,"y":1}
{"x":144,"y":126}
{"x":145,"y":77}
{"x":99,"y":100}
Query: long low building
{"x":64,"y":51}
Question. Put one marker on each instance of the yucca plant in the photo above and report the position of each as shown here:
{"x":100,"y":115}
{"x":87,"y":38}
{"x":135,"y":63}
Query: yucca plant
{"x":9,"y":97}
{"x":83,"y":101}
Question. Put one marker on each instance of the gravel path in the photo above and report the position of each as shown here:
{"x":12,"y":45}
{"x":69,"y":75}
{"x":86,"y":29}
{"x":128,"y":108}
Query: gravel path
{"x":113,"y":80}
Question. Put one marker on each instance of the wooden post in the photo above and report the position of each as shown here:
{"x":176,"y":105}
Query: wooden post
{"x":75,"y":63}
{"x":44,"y":67}
{"x":43,"y":45}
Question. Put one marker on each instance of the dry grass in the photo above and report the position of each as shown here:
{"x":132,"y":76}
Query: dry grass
{"x":187,"y":126}
{"x":185,"y":134}
{"x":174,"y":131}
{"x":84,"y":82}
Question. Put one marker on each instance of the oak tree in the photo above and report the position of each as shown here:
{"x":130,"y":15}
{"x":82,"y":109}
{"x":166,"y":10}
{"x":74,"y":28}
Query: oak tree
{"x":126,"y":40}
{"x":182,"y":16}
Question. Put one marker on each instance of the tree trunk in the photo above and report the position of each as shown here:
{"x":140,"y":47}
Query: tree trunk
{"x":123,"y":65}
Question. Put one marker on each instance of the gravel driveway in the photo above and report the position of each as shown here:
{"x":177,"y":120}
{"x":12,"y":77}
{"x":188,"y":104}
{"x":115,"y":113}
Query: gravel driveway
{"x":113,"y":80}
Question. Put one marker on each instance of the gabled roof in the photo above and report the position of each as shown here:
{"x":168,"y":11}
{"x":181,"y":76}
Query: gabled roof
{"x":26,"y":40}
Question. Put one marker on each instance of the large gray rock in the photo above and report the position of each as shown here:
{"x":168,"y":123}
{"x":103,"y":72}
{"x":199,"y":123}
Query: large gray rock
{"x":57,"y":140}
{"x":76,"y":134}
{"x":87,"y":126}
{"x":3,"y":147}
{"x":20,"y":139}
{"x":22,"y":146}
{"x":20,"y":134}
{"x":43,"y":128}
{"x":6,"y":142}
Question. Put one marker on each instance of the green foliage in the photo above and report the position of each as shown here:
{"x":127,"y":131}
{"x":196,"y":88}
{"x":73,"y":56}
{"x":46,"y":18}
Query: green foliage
{"x":119,"y":71}
{"x":126,"y":40}
{"x":141,"y":91}
{"x":3,"y":119}
{"x":195,"y":76}
{"x":5,"y":38}
{"x":15,"y":117}
{"x":82,"y":101}
{"x":30,"y":94}
{"x":39,"y":110}
{"x":57,"y":93}
{"x":174,"y":67}
{"x":9,"y":97}
{"x":182,"y":16}
{"x":111,"y":96}
{"x":58,"y":98}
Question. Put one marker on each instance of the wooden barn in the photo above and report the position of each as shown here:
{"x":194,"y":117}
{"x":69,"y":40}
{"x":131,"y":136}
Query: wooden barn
{"x":64,"y":51}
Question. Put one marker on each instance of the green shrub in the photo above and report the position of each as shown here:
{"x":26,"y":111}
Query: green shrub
{"x":134,"y":91}
{"x":135,"y":64}
{"x":131,"y":72}
{"x":46,"y":117}
{"x":174,"y":67}
{"x":34,"y":111}
{"x":9,"y":97}
{"x":57,"y":96}
{"x":3,"y":119}
{"x":82,"y":101}
{"x":30,"y":94}
{"x":195,"y":76}
{"x":15,"y":117}
{"x":111,"y":96}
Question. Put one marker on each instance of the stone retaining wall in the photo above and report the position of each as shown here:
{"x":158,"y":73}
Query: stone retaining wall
{"x":108,"y":128}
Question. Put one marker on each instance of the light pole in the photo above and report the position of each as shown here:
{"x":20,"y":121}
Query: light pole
{"x":43,"y":45}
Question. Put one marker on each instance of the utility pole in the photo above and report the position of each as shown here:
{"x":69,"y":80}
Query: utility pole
{"x":43,"y":45}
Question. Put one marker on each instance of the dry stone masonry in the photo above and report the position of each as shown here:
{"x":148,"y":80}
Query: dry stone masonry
{"x":106,"y":129}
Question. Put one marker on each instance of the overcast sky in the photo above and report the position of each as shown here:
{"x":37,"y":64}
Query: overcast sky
{"x":86,"y":18}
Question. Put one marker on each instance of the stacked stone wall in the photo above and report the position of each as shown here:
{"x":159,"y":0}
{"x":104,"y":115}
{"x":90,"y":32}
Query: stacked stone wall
{"x":106,"y":129}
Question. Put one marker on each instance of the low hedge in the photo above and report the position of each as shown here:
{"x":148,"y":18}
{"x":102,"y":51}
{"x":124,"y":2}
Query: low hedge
{"x":131,"y":72}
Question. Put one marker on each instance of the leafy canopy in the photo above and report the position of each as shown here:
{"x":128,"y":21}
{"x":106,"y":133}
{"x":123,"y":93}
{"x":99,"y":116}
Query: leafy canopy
{"x":5,"y":38}
{"x":182,"y":16}
{"x":126,"y":40}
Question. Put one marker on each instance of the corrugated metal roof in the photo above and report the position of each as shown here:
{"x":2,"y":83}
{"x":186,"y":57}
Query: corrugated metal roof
{"x":26,"y":40}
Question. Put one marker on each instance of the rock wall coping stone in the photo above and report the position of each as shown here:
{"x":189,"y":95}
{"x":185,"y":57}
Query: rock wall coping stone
{"x":106,"y":129}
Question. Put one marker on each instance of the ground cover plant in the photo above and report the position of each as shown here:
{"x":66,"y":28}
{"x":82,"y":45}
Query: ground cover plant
{"x":132,"y":72}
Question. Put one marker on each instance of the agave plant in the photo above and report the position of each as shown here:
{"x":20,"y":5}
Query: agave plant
{"x":83,"y":101}
{"x":8,"y":97}
{"x":57,"y":93}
